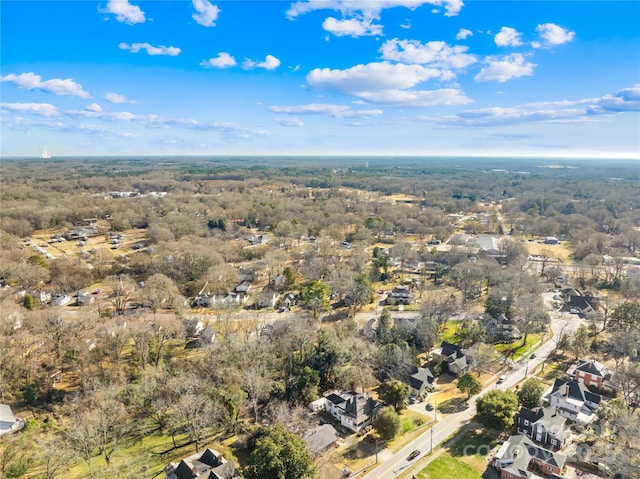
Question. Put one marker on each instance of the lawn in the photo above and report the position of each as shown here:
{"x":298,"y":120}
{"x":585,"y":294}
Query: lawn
{"x":465,"y":457}
{"x":446,"y":466}
{"x":516,"y":350}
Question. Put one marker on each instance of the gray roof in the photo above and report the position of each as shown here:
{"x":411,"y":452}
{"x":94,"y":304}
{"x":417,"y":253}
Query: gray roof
{"x":421,"y":377}
{"x":320,"y":438}
{"x":521,"y":450}
{"x":6,"y":415}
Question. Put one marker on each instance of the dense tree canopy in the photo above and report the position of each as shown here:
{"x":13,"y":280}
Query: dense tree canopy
{"x":530,"y":393}
{"x":279,"y":454}
{"x":496,"y":409}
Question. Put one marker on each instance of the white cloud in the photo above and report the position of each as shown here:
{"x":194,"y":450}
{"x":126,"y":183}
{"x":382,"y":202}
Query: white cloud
{"x":223,"y":60}
{"x":42,"y":109}
{"x":349,"y":7}
{"x":463,"y":33}
{"x":440,"y":54}
{"x":57,"y":86}
{"x":206,"y":14}
{"x":508,"y":37}
{"x":627,"y":99}
{"x":336,"y":111}
{"x":416,"y":98}
{"x":93,"y":107}
{"x":112,"y":97}
{"x":553,"y":34}
{"x":104,"y":115}
{"x":293,"y":121}
{"x":624,"y":100}
{"x":407,"y":24}
{"x":499,"y":115}
{"x":372,"y":76}
{"x":387,"y":84}
{"x":270,"y":63}
{"x":505,"y":68}
{"x":150,"y":49}
{"x":125,"y":12}
{"x":354,"y":27}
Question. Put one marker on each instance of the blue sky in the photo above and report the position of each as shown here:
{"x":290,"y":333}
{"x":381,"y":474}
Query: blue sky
{"x":320,"y":77}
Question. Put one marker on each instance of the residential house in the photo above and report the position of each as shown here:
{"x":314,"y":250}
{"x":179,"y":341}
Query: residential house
{"x":60,"y":299}
{"x":204,"y":300}
{"x":551,"y":240}
{"x":420,"y":381}
{"x":489,"y":244}
{"x":573,"y":400}
{"x":288,"y":300}
{"x":44,"y":297}
{"x":85,"y":299}
{"x":208,"y":464}
{"x":243,"y":288}
{"x":521,"y":458}
{"x":589,"y":373}
{"x":577,"y":302}
{"x":400,"y":295}
{"x":268,"y":299}
{"x":459,"y":239}
{"x":457,"y":360}
{"x":543,"y":425}
{"x":82,"y":232}
{"x":192,"y":327}
{"x":320,"y":439}
{"x":500,"y":329}
{"x":354,"y":411}
{"x":8,"y":422}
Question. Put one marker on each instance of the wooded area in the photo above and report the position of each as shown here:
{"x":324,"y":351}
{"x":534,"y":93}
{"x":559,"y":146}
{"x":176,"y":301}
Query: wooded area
{"x":153,"y":307}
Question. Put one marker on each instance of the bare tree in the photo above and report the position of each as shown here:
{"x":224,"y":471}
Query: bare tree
{"x":159,"y":291}
{"x":121,"y":287}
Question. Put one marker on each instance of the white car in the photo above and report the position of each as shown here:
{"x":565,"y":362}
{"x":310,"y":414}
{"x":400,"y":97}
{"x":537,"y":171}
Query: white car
{"x":502,"y":379}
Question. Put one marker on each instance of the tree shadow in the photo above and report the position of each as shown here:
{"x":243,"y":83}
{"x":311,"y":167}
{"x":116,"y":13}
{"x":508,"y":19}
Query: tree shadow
{"x":454,"y":405}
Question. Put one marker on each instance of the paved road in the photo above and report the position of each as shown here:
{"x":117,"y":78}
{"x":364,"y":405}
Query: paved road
{"x":393,"y":464}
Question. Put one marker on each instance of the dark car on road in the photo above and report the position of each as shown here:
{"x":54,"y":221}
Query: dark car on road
{"x":413,"y":455}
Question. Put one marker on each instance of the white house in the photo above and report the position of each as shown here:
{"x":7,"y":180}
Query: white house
{"x":60,"y":299}
{"x":354,"y":411}
{"x":573,"y":401}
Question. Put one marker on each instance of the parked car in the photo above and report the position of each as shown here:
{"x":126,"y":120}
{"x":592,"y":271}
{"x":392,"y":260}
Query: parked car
{"x":502,"y":379}
{"x":413,"y":455}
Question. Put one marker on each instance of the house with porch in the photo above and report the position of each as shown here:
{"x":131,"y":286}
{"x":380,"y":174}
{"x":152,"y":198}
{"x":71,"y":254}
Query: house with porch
{"x":573,"y":400}
{"x":354,"y":411}
{"x":546,"y":426}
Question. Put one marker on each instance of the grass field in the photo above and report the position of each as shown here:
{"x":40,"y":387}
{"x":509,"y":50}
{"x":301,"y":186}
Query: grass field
{"x":446,"y":466}
{"x":516,"y":350}
{"x":466,"y":458}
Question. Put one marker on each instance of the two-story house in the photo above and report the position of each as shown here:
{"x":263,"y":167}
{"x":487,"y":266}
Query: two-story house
{"x":420,"y":381}
{"x":353,"y":410}
{"x":589,"y":372}
{"x":573,"y":400}
{"x":457,"y":360}
{"x":543,"y":425}
{"x":400,"y":295}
